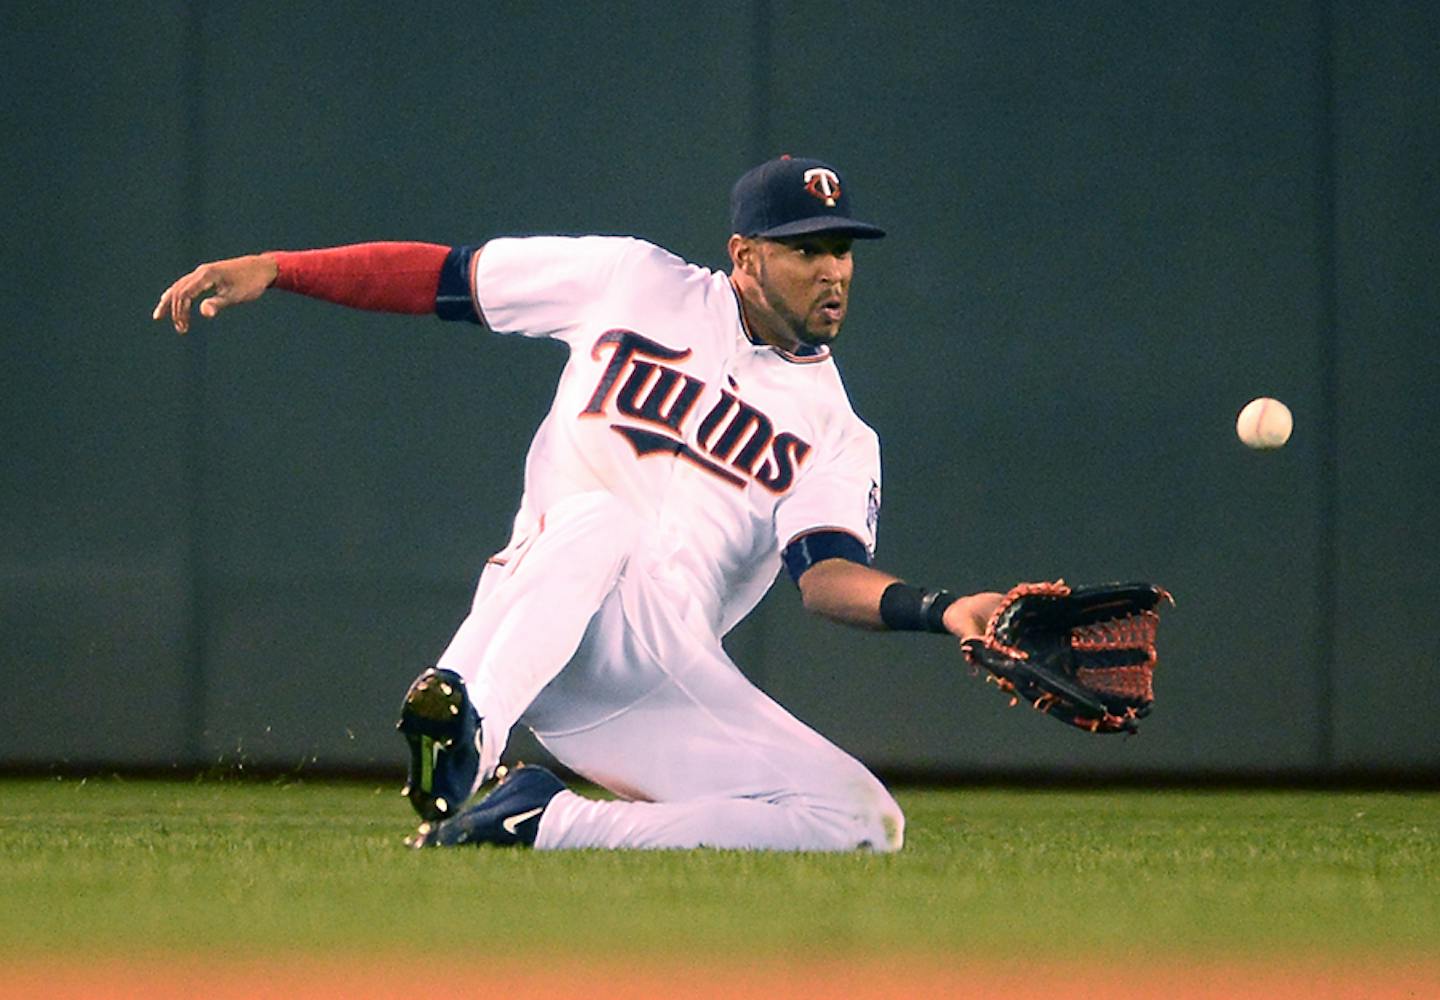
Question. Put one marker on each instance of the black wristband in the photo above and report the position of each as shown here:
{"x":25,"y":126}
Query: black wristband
{"x":904,"y":608}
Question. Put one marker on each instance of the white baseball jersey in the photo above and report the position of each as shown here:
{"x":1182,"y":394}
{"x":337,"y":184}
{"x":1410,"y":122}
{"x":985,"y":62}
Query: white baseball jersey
{"x":677,"y":461}
{"x":726,"y":449}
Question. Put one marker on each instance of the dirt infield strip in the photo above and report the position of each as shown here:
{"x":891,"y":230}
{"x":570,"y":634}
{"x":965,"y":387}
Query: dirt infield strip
{"x":157,"y":978}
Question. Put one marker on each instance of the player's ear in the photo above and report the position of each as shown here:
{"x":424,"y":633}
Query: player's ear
{"x":743,"y":254}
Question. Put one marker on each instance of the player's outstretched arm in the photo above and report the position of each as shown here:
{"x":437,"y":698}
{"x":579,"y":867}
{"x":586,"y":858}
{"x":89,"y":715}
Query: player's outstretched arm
{"x":848,"y":592}
{"x":395,"y":277}
{"x":217,"y":285}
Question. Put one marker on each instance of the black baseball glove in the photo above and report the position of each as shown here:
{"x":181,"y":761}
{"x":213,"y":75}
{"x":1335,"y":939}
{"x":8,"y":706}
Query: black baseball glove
{"x":1085,"y":655}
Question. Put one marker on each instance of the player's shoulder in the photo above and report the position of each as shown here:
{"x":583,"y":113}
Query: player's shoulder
{"x":632,"y":249}
{"x":647,"y":272}
{"x":622,"y":263}
{"x":584,"y":244}
{"x":642,"y":253}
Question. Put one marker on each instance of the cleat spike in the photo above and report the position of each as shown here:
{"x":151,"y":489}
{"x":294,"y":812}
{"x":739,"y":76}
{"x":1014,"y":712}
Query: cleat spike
{"x":442,"y":805}
{"x":454,"y":709}
{"x":446,"y":689}
{"x":404,"y":792}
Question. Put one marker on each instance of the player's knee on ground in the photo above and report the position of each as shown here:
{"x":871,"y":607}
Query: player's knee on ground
{"x":885,"y":816}
{"x":866,"y":819}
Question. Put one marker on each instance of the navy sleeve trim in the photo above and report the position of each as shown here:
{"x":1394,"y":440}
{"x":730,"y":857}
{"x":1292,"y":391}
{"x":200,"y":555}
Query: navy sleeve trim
{"x":817,"y":546}
{"x":452,"y":298}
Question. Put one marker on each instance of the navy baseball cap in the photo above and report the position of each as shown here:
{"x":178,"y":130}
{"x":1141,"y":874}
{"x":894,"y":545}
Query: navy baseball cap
{"x":792,"y":196}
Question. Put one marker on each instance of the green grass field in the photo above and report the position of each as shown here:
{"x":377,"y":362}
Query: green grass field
{"x":249,"y":867}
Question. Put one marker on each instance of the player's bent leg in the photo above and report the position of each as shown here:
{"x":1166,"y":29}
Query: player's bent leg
{"x":532,"y":606}
{"x":707,"y":757}
{"x":693,"y":782}
{"x":442,"y":729}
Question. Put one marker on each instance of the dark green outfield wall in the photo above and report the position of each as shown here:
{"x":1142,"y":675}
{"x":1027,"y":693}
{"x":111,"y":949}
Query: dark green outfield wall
{"x":1110,"y":228}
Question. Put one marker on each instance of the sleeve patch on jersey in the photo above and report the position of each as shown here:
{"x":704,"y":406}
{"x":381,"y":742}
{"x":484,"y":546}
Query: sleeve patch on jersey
{"x":817,"y":546}
{"x":452,"y":298}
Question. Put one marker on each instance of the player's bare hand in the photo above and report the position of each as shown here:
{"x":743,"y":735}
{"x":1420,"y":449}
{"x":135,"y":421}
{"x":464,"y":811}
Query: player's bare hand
{"x":215,"y":286}
{"x":967,"y":617}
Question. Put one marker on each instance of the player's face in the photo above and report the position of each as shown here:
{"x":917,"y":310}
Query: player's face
{"x":804,"y":282}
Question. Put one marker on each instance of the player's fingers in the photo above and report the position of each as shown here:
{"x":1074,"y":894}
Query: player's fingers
{"x":180,"y":311}
{"x":163,"y":306}
{"x":195,"y":285}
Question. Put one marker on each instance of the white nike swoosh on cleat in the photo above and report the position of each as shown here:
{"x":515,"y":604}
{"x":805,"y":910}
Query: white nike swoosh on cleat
{"x":511,"y":822}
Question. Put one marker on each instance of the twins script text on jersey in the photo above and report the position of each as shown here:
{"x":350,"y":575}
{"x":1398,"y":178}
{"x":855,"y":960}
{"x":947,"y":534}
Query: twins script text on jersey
{"x":665,"y":398}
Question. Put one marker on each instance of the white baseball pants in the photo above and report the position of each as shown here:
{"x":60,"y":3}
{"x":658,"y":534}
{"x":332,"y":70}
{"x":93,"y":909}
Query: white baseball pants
{"x":614,"y":672}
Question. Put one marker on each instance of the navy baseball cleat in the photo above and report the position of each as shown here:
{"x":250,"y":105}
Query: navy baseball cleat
{"x":443,"y":730}
{"x":508,"y":816}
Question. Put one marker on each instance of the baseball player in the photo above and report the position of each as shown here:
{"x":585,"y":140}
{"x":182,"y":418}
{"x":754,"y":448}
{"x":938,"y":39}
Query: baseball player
{"x":699,"y":440}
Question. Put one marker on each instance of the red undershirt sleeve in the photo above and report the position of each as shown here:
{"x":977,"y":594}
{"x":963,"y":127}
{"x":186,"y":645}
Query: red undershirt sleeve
{"x":381,"y":277}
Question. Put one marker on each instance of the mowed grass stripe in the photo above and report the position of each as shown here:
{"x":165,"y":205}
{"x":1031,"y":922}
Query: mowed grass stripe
{"x":246,"y":867}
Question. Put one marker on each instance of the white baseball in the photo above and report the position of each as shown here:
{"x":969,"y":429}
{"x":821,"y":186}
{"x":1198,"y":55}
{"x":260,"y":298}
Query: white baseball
{"x":1264,"y":423}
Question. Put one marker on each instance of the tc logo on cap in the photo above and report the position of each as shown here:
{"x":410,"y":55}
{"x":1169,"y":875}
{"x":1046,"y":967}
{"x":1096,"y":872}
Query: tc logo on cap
{"x":822,"y":183}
